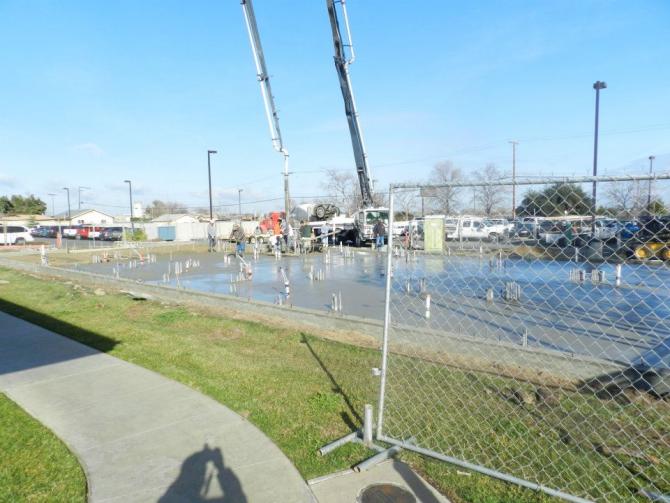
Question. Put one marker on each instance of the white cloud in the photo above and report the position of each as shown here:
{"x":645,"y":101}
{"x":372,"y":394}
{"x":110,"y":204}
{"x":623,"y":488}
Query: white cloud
{"x":89,"y":148}
{"x":7,"y":181}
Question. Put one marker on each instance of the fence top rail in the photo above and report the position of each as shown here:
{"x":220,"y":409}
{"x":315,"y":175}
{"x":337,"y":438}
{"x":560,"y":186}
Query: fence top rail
{"x":534,"y":181}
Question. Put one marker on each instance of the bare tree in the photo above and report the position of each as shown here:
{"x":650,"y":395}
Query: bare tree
{"x":342,"y":187}
{"x":158,"y":208}
{"x":625,"y":198}
{"x":446,"y":197}
{"x":404,"y":203}
{"x":489,"y":197}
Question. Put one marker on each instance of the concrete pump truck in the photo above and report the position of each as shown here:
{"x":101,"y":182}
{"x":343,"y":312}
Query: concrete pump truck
{"x":366,"y":217}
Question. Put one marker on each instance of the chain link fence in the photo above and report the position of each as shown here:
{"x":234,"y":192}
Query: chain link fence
{"x":532,"y":343}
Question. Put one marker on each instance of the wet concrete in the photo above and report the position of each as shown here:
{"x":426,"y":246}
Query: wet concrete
{"x":360,"y":280}
{"x":555,"y":313}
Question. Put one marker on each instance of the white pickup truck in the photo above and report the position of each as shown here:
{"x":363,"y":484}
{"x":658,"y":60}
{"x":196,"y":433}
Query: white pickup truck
{"x":466,"y":227}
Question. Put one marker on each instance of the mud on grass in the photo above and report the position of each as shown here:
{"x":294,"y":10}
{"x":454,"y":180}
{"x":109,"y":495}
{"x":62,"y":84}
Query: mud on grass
{"x":304,"y":391}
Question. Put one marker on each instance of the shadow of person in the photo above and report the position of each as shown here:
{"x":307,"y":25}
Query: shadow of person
{"x":199,"y":477}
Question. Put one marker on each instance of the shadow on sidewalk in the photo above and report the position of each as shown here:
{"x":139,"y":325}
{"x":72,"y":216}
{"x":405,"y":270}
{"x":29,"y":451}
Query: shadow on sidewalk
{"x":19,"y":349}
{"x":205,"y":478}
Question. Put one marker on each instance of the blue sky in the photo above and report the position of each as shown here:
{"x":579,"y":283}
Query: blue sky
{"x":96,"y":92}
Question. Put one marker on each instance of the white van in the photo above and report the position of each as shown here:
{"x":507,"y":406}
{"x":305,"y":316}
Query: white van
{"x":467,"y":227}
{"x":14,"y":235}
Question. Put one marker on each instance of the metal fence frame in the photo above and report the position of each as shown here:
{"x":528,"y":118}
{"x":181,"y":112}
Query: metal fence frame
{"x":409,"y":443}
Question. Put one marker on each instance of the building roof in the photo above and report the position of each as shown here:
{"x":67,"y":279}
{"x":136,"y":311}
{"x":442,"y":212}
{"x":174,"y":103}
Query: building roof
{"x":171,"y":217}
{"x":26,"y":217}
{"x":78,"y":213}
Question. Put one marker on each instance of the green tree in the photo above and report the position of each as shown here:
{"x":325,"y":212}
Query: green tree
{"x":23,"y":205}
{"x":555,"y":200}
{"x":6,"y":205}
{"x":657,"y":207}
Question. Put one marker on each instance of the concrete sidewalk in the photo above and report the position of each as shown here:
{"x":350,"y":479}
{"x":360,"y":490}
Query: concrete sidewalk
{"x":140,"y":436}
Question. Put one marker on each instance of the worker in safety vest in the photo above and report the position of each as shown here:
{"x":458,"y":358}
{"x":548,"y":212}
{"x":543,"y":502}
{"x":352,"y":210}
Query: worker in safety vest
{"x":276,"y":231}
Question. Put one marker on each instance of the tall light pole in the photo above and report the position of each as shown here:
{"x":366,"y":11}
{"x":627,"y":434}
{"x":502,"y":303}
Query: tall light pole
{"x":69,"y":212}
{"x":651,"y":169}
{"x":79,"y":189}
{"x":130,"y":192}
{"x":598,"y":85}
{"x":209,"y":176}
{"x":53,"y":204}
{"x":514,"y":144}
{"x":239,"y":202}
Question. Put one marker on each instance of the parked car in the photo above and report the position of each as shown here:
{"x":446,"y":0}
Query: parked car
{"x":39,"y":232}
{"x":521,"y":230}
{"x":15,"y":235}
{"x":497,"y":227}
{"x":70,"y":232}
{"x":111,"y":234}
{"x":606,"y":228}
{"x":88,"y":232}
{"x":466,"y":227}
{"x":628,"y":229}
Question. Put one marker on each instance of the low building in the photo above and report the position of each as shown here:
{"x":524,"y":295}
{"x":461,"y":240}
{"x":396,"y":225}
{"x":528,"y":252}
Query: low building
{"x":25,"y":220}
{"x":85,"y":217}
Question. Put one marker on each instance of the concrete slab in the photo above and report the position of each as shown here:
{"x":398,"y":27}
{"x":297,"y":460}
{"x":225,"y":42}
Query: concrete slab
{"x":347,"y":486}
{"x":140,"y":436}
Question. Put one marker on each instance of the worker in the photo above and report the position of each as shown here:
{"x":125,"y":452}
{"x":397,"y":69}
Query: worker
{"x":276,"y":231}
{"x":286,"y":231}
{"x":239,"y":238}
{"x":379,"y":231}
{"x":324,"y":235}
{"x":306,"y":234}
{"x":211,"y":236}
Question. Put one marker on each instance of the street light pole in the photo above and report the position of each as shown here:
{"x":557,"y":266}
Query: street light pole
{"x":130,"y":192}
{"x":69,"y":212}
{"x":209,"y":176}
{"x":53,"y":204}
{"x":598,"y":85}
{"x":79,"y":189}
{"x":514,"y":144}
{"x":651,"y":168}
{"x":239,"y":202}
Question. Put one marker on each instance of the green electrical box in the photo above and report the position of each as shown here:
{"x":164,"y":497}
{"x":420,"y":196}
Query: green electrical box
{"x":433,"y":234}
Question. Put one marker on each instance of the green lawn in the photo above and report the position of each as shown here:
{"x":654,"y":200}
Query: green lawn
{"x":34,"y":464}
{"x":303,"y":391}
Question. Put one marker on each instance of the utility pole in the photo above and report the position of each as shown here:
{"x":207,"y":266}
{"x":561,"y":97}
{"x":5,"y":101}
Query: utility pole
{"x":598,"y":85}
{"x":239,"y":203}
{"x":53,"y":204}
{"x":514,"y":144}
{"x":130,"y":192}
{"x":69,"y":212}
{"x":79,"y":189}
{"x":209,"y":177}
{"x":651,"y":168}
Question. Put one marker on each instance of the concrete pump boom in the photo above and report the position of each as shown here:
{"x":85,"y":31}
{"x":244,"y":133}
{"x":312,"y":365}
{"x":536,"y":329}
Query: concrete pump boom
{"x":266,"y":92}
{"x":342,"y":63}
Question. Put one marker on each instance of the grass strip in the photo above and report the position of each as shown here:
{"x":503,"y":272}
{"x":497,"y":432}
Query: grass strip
{"x":303,"y":391}
{"x":35,"y":465}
